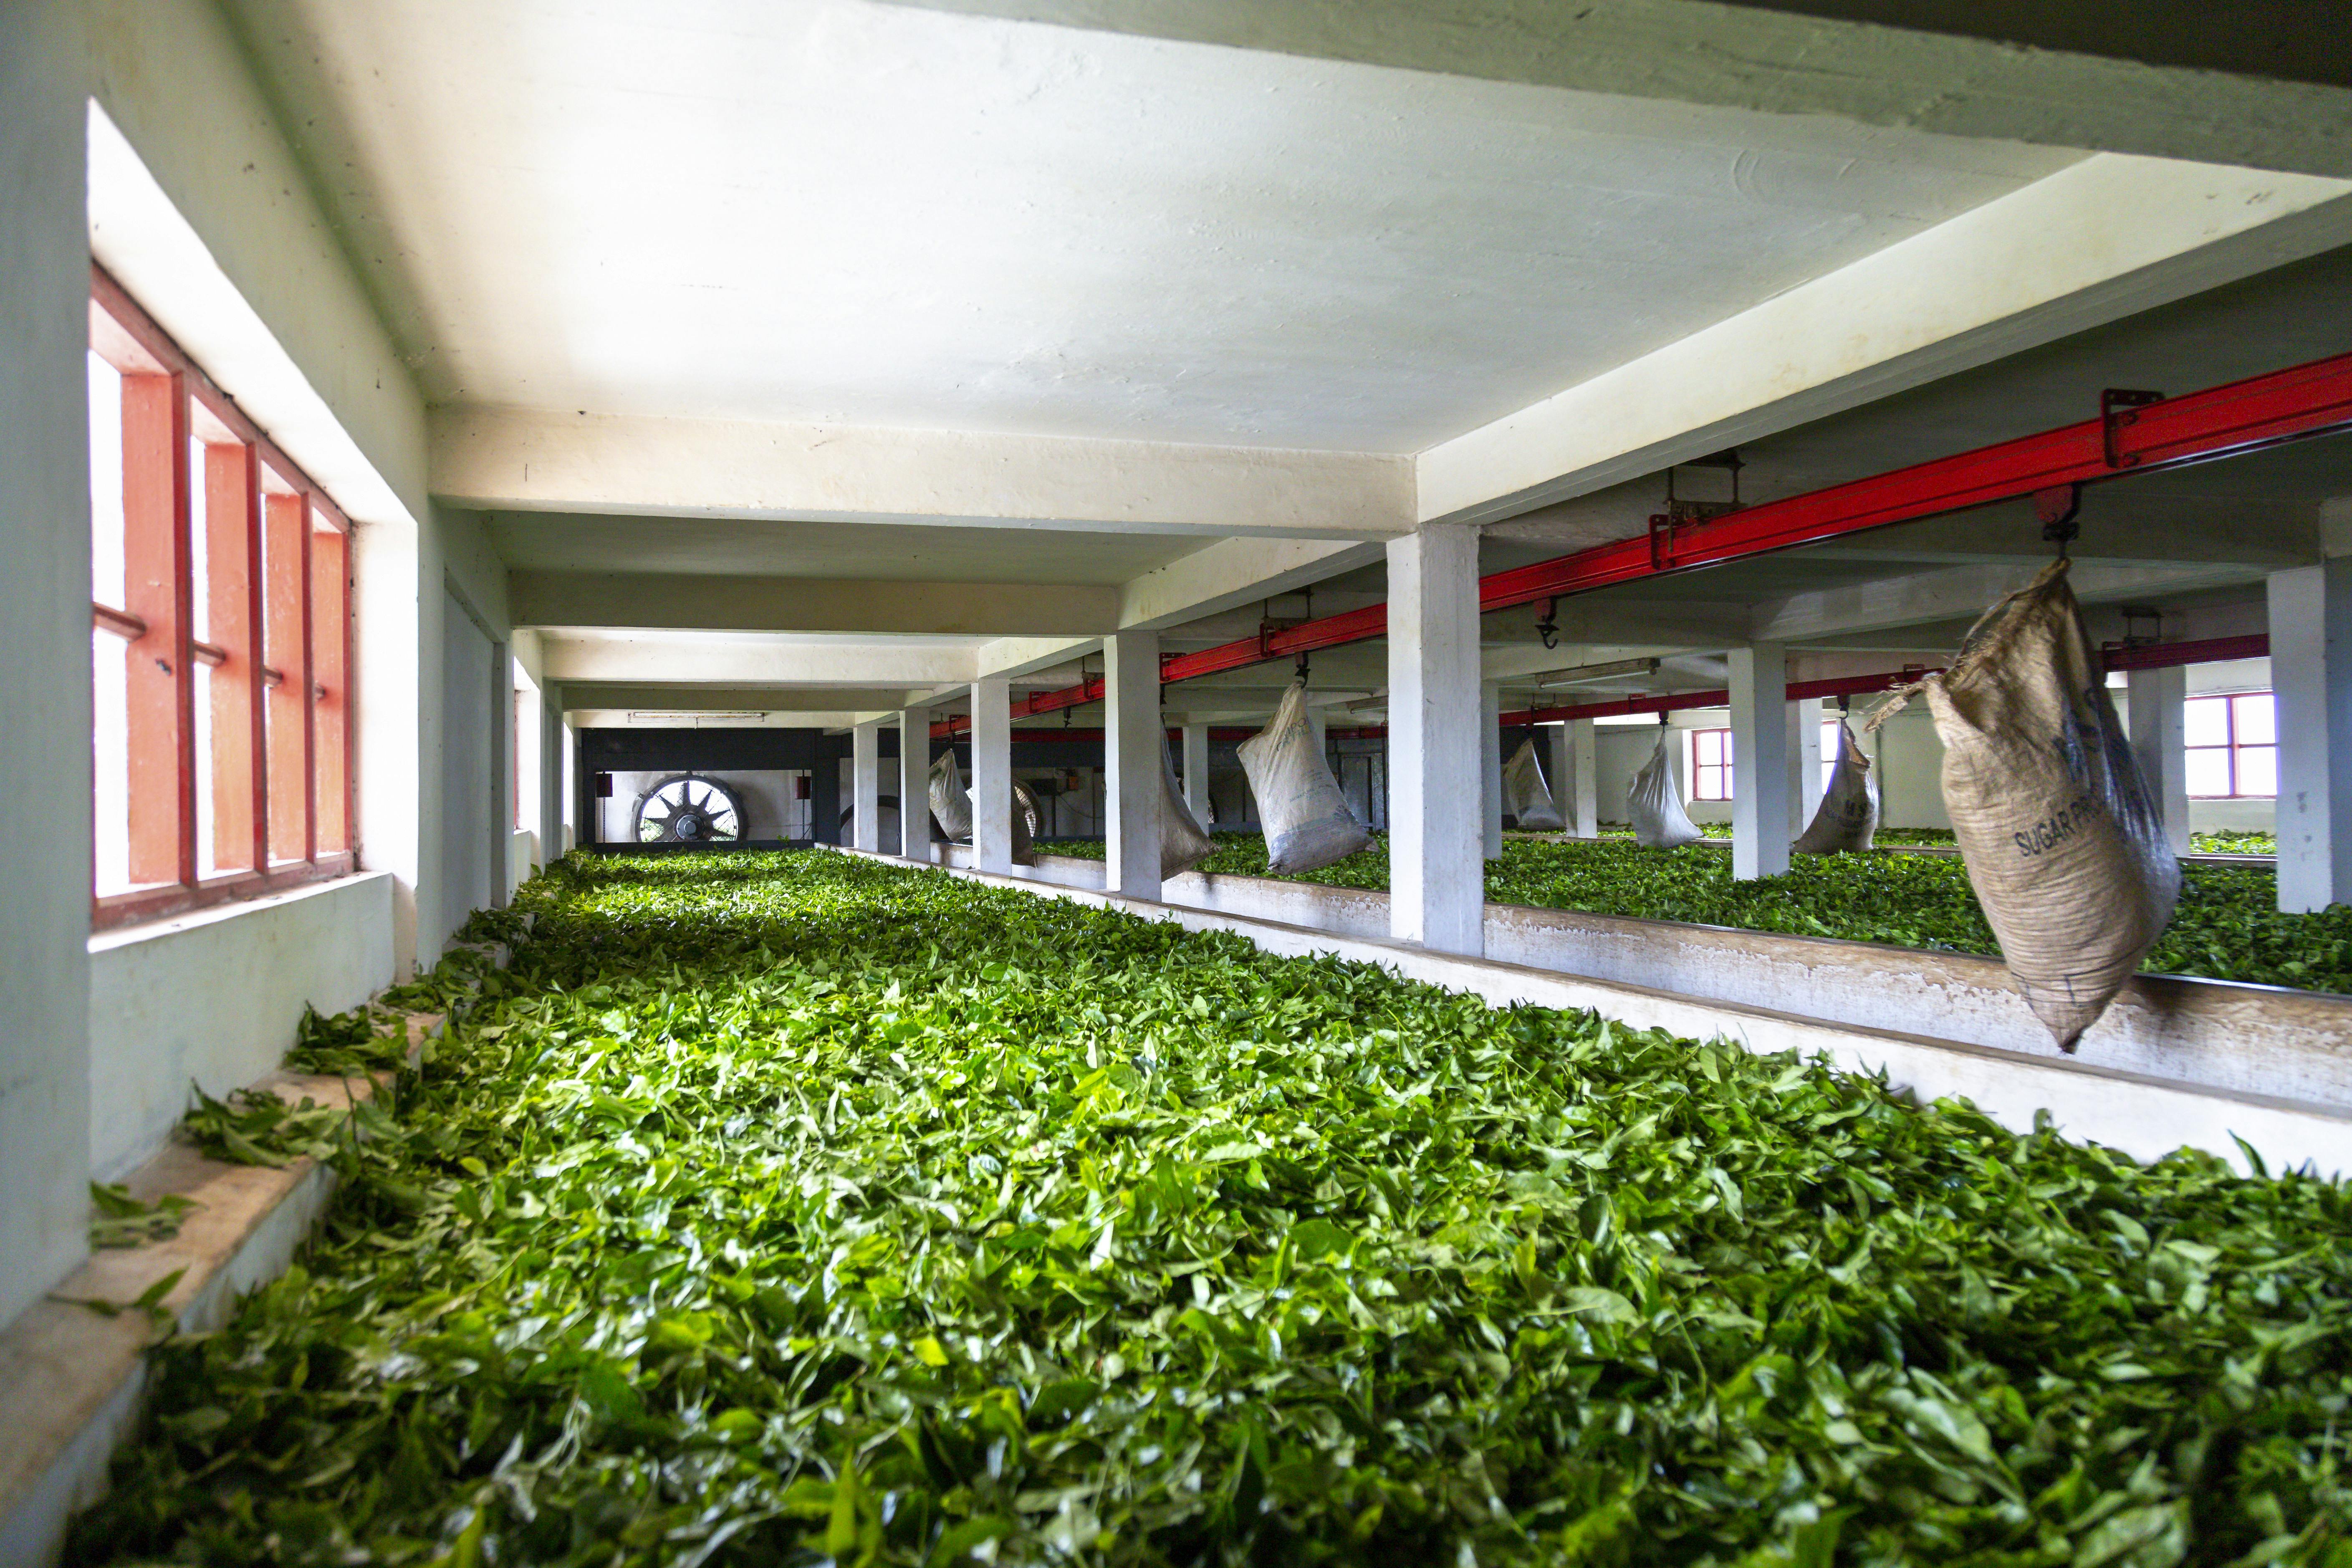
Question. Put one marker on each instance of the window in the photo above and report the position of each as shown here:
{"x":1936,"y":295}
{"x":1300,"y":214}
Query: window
{"x":1710,"y":765}
{"x":2232,"y":745}
{"x":220,"y":640}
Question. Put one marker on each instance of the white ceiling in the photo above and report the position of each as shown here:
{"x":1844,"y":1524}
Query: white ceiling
{"x":761,"y":547}
{"x":834,"y":210}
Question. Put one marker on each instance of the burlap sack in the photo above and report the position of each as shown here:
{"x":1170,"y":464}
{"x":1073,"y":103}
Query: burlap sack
{"x":1526,"y":796}
{"x":951,"y":809}
{"x":2063,"y":843}
{"x":1848,"y":817}
{"x":1656,"y":801}
{"x":950,"y":800}
{"x":1183,"y":842}
{"x":1300,"y":806}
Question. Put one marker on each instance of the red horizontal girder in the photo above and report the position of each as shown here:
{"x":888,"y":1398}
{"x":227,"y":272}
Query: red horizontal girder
{"x":2241,"y":416}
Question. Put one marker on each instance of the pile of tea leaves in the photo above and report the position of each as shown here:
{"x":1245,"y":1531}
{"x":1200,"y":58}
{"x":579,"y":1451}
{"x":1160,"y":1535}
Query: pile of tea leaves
{"x":802,"y":1209}
{"x":2227,"y":925}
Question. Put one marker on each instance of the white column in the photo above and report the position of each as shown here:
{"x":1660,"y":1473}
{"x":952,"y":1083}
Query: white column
{"x":2311,"y":671}
{"x":1760,"y":755}
{"x":1196,"y":771}
{"x":1437,"y":893}
{"x":865,"y":787}
{"x":1490,"y":768}
{"x":1584,"y":753}
{"x":915,"y":784}
{"x":1804,"y":762}
{"x":1134,"y":748}
{"x":2154,"y":711}
{"x":992,"y":774}
{"x":1559,"y":771}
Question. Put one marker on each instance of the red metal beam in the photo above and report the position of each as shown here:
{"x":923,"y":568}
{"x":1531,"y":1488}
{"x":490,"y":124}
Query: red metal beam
{"x":2241,"y":416}
{"x":2169,"y":654}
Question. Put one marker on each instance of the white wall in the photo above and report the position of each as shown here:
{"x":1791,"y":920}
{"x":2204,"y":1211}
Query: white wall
{"x":213,"y":998}
{"x":199,"y":205}
{"x":44,"y":651}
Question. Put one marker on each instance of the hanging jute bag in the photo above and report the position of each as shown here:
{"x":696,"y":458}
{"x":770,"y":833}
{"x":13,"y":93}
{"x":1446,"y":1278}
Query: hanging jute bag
{"x":2063,"y":843}
{"x":1183,"y":842}
{"x":1848,"y":817}
{"x":1526,"y":794}
{"x":1655,"y":802}
{"x":1304,"y":813}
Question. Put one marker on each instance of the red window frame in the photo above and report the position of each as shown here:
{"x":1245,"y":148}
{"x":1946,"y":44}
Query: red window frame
{"x":1711,"y":780}
{"x":284,"y":812}
{"x":2232,"y":747}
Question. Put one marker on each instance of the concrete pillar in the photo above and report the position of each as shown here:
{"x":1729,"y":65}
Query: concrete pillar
{"x":1559,"y":771}
{"x":1804,"y":762}
{"x":1759,"y":756}
{"x":1196,"y":771}
{"x":44,"y":653}
{"x":1490,"y":768}
{"x":1584,"y":774}
{"x":915,"y":784}
{"x":992,"y":774}
{"x":2311,"y":672}
{"x":1437,"y":894}
{"x":865,"y":787}
{"x":2154,"y":708}
{"x":1135,"y":745}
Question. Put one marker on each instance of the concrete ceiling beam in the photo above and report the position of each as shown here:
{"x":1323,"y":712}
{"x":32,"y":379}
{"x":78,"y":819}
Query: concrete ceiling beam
{"x":537,"y":460}
{"x":760,"y":698}
{"x":1925,"y":598}
{"x":653,"y":600}
{"x":1233,"y":573}
{"x":2098,"y":240}
{"x":1748,"y":56}
{"x":657,"y":658}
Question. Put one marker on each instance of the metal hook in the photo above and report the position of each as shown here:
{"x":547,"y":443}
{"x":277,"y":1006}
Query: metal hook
{"x":1303,"y":669}
{"x":1547,"y":627}
{"x":2057,"y":507}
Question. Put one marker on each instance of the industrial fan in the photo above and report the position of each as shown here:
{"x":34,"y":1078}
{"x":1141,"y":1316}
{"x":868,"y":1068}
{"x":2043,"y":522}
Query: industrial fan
{"x":687,"y":808}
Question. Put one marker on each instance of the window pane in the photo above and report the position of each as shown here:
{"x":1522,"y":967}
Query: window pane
{"x":151,"y":472}
{"x":105,"y":482}
{"x":225,"y":701}
{"x":2209,"y":770}
{"x":109,"y":658}
{"x":330,"y":726}
{"x":1710,"y":747}
{"x":2258,"y":770}
{"x":2206,"y":720}
{"x":2257,"y":719}
{"x":284,"y":526}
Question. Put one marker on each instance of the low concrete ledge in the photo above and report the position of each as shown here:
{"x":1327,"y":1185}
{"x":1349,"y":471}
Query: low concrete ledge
{"x":72,"y":1380}
{"x":2145,"y":1115}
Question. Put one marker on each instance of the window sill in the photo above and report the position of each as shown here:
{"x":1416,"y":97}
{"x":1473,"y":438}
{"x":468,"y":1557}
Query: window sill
{"x":141,"y":916}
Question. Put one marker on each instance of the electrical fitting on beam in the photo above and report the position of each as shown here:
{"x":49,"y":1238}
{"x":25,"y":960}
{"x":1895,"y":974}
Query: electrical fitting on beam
{"x":1585,"y":674}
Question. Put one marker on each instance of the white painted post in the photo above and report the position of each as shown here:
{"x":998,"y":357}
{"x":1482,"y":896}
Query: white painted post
{"x":865,"y":787}
{"x":1759,"y":757}
{"x":915,"y":784}
{"x":1584,"y":748}
{"x":992,"y":774}
{"x":1134,"y":747}
{"x":1437,"y":893}
{"x":1559,"y":771}
{"x":2310,"y":673}
{"x":1490,"y":767}
{"x":2154,"y":708}
{"x":1804,"y":762}
{"x":1196,"y":771}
